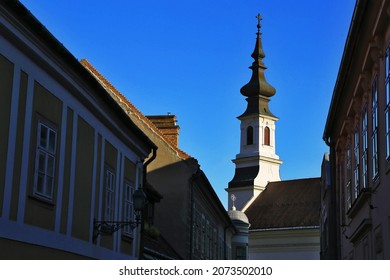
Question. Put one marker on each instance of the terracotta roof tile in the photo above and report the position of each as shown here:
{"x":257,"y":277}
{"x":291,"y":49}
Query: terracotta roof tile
{"x":130,"y":109}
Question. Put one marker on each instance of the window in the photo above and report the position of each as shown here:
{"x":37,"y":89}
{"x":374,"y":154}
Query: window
{"x":341,"y":181}
{"x":266,"y":136}
{"x":128,"y":206}
{"x":348,"y":185}
{"x":196,"y":233}
{"x":364,"y":149}
{"x":374,"y":137}
{"x":204,"y":236}
{"x":387,"y":110}
{"x":45,"y":162}
{"x":357,"y":162}
{"x":249,"y":135}
{"x":109,"y":187}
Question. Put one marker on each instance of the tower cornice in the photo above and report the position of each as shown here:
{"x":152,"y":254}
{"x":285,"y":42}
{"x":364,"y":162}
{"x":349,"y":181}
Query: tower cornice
{"x":256,"y":159}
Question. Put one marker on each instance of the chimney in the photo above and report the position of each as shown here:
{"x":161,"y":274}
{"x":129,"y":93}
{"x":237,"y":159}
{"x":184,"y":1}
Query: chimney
{"x":167,"y":125}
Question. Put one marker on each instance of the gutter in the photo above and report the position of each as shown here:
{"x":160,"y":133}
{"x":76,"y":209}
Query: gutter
{"x":141,"y":243}
{"x":284,"y":228}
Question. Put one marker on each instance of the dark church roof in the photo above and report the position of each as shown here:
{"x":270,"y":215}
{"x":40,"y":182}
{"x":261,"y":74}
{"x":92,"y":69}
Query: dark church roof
{"x":283,"y":204}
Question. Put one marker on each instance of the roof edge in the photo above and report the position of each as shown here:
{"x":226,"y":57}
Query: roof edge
{"x":347,"y":53}
{"x":126,"y":103}
{"x":283,"y":228}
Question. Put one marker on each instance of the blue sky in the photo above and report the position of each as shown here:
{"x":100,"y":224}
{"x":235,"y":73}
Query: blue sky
{"x":191,"y":58}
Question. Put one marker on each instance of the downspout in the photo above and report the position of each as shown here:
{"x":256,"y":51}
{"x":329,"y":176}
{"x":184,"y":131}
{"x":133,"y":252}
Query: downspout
{"x":335,"y":252}
{"x":141,"y":243}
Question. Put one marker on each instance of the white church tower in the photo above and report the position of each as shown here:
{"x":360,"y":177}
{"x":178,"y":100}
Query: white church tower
{"x":257,"y":163}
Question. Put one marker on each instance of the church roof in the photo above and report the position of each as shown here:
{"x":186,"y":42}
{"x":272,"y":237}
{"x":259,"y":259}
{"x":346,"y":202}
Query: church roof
{"x":284,"y":204}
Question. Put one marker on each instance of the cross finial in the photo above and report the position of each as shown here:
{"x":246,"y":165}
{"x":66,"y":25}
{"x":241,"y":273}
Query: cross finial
{"x":233,"y":198}
{"x":259,"y":18}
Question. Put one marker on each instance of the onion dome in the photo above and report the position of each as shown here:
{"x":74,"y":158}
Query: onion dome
{"x":235,"y":215}
{"x":258,"y":86}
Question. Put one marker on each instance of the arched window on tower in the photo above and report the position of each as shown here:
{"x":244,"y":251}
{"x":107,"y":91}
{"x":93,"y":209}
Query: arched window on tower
{"x":249,"y":135}
{"x":266,"y":136}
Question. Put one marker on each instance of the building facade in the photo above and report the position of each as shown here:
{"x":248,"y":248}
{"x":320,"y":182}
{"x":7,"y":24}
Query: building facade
{"x":69,"y":155}
{"x":358,"y":134}
{"x":190,"y":216}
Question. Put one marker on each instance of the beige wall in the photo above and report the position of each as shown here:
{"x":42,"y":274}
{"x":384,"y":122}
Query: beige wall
{"x":83,"y":180}
{"x":19,"y":250}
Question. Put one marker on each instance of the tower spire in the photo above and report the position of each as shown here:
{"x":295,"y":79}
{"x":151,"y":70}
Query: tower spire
{"x":258,"y":86}
{"x":257,"y":164}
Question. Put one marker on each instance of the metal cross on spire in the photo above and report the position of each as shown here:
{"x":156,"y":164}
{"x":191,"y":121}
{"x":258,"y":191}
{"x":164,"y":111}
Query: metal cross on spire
{"x":259,"y":18}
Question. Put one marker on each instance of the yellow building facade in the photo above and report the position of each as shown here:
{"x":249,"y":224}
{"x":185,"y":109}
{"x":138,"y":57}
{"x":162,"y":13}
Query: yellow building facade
{"x":68,"y":153}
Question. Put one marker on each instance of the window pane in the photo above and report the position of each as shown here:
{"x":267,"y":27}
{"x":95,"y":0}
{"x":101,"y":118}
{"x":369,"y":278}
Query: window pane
{"x":50,"y":166}
{"x":109,"y":195}
{"x":267,"y":136}
{"x":42,"y":162}
{"x":40,"y":183}
{"x":43,"y":136}
{"x":52,"y":141}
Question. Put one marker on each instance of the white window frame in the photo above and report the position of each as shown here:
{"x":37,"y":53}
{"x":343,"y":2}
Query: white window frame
{"x":365,"y":148}
{"x":45,"y":163}
{"x":357,"y":162}
{"x":348,"y":184}
{"x":387,"y":108}
{"x":109,"y":194}
{"x":374,"y":137}
{"x":128,"y":207}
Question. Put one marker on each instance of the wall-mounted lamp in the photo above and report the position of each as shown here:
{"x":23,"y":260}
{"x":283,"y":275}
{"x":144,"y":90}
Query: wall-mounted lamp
{"x":109,"y":227}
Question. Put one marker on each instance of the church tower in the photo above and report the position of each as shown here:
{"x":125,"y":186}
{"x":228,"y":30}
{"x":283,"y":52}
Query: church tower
{"x":257,"y":163}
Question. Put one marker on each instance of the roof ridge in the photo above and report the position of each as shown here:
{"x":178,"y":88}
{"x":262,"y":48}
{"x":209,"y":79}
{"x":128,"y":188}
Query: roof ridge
{"x":131,"y":109}
{"x":297,"y":179}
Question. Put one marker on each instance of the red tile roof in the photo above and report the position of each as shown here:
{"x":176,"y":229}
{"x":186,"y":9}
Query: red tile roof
{"x":130,"y":109}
